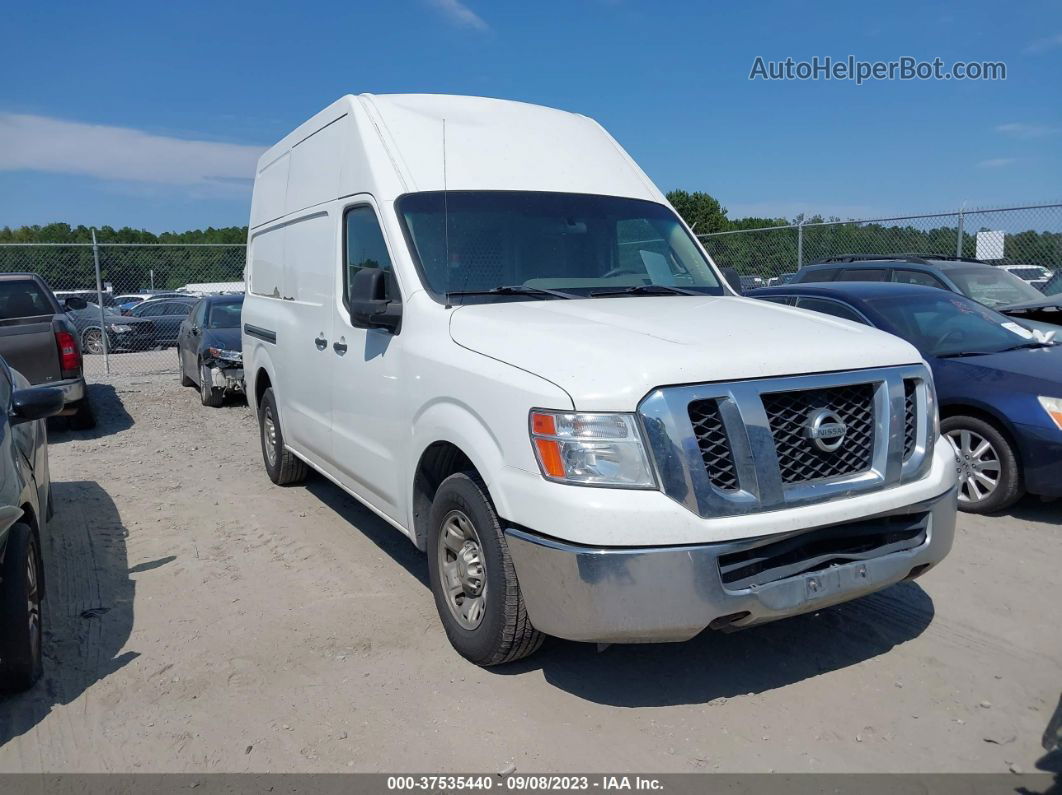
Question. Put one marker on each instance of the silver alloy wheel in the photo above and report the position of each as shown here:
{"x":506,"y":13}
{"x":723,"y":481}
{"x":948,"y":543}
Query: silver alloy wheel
{"x":33,"y":602}
{"x":463,"y":571}
{"x":978,"y":464}
{"x":269,"y":436}
{"x":93,"y":341}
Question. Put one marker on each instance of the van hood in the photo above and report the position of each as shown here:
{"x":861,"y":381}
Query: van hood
{"x":608,"y":353}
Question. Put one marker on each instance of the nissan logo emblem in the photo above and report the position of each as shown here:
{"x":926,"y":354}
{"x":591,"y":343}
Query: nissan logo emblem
{"x":826,"y":430}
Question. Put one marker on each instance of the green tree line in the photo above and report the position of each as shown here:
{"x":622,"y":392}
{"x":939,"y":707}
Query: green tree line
{"x":127,"y":268}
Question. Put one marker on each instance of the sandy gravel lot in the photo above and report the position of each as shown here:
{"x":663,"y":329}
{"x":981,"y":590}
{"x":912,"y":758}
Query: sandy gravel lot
{"x":202,"y":619}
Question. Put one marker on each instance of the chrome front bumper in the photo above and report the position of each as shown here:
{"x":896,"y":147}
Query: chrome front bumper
{"x":658,"y":594}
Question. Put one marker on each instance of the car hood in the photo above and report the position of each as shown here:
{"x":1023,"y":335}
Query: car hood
{"x":227,"y":338}
{"x":607,"y":353}
{"x":1031,"y":369}
{"x":1047,"y":302}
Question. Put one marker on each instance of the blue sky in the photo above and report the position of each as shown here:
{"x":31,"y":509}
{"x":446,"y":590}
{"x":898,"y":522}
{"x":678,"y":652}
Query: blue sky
{"x":182,"y":96}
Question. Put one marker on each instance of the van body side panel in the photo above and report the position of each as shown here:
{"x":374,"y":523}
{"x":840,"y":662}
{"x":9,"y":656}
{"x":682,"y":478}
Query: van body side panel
{"x":304,"y":335}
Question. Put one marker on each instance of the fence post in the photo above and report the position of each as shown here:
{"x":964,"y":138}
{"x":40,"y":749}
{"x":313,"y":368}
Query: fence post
{"x":99,"y":299}
{"x":800,"y":242}
{"x":958,"y":240}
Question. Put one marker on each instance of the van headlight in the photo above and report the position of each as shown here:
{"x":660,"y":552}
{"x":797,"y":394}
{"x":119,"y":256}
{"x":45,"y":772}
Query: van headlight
{"x":590,"y":449}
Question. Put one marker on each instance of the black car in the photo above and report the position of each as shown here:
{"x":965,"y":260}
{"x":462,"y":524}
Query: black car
{"x":24,"y":510}
{"x":123,"y":333}
{"x":999,"y":384}
{"x":210,"y":349}
{"x":994,"y":287}
{"x":166,"y":314}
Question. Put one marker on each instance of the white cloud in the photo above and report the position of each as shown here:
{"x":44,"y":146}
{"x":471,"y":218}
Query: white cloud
{"x":1045,"y":44}
{"x":996,"y":162}
{"x":460,"y":14}
{"x":1022,"y":130}
{"x":42,"y":143}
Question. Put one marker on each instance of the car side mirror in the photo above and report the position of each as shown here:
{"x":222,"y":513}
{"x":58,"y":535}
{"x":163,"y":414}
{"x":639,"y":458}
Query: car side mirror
{"x":73,"y":302}
{"x":369,"y":305}
{"x":35,"y":404}
{"x":733,"y":279}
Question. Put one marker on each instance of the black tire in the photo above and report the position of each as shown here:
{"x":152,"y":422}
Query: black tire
{"x":286,"y":468}
{"x":1009,"y":487}
{"x":92,"y":341}
{"x":84,"y":419}
{"x":185,"y":380}
{"x":504,"y":632}
{"x":20,"y":639}
{"x":211,"y":395}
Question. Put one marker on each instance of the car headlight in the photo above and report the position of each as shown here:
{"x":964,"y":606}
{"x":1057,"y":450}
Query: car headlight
{"x":120,"y":328}
{"x":590,"y":449}
{"x":1053,"y":407}
{"x":222,"y":353}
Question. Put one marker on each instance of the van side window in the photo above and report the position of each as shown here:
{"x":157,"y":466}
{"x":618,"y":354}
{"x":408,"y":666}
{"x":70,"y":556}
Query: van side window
{"x":364,"y":247}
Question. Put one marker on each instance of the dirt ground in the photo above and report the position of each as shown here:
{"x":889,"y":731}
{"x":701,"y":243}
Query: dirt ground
{"x":203,"y":620}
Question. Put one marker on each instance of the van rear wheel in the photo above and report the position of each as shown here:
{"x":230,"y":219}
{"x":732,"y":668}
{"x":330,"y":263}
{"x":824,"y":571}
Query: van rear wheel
{"x":281,"y":464}
{"x":473,"y":578}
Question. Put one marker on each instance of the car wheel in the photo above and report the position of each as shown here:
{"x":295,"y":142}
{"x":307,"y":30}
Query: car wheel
{"x":84,"y":419}
{"x":989,"y":472}
{"x":185,"y":380}
{"x":283,"y":466}
{"x":20,"y":611}
{"x":211,"y":395}
{"x":472,"y":576}
{"x":92,"y":341}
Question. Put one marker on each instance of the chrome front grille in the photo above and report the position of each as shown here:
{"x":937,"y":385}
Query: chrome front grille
{"x":799,"y":459}
{"x":910,"y":417}
{"x":724,"y":449}
{"x":714,"y":444}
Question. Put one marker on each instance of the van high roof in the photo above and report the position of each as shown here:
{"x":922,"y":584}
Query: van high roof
{"x":388,"y":145}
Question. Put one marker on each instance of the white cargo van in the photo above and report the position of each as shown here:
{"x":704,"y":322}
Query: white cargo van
{"x":485,"y":322}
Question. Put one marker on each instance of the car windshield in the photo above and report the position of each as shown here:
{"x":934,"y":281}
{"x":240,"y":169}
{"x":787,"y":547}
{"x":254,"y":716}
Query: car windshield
{"x":225,"y":315}
{"x":573,"y":244}
{"x":994,"y":286}
{"x":946,"y":324}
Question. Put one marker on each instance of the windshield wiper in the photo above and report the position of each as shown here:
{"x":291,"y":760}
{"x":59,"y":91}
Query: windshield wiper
{"x":1020,"y":347}
{"x":514,"y":289}
{"x":644,"y":289}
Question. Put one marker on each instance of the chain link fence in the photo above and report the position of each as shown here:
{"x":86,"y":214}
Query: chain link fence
{"x":121,"y":333}
{"x":111,"y":276}
{"x":1031,"y":235}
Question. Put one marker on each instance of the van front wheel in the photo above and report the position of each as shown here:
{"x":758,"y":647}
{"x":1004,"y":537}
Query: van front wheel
{"x":472,"y":576}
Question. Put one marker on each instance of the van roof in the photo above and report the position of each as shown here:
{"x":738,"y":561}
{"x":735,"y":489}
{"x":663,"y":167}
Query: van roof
{"x":388,"y":145}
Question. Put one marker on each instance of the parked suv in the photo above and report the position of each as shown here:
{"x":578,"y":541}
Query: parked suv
{"x":522,"y":358}
{"x":992,"y":286}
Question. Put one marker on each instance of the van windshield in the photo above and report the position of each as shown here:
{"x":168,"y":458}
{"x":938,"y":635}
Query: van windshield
{"x":575,"y":245}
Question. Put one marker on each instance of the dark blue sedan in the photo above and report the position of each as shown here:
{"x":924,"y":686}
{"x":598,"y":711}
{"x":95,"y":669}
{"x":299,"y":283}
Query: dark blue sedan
{"x":999,"y":384}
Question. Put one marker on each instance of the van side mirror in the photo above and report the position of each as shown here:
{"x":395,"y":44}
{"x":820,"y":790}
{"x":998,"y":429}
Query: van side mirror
{"x":73,"y":302}
{"x":369,"y":305}
{"x":35,"y":403}
{"x":733,"y":279}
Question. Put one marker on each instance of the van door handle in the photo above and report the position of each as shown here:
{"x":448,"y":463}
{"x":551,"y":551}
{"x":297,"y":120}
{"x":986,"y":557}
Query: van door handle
{"x":339,"y":347}
{"x":321,"y":343}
